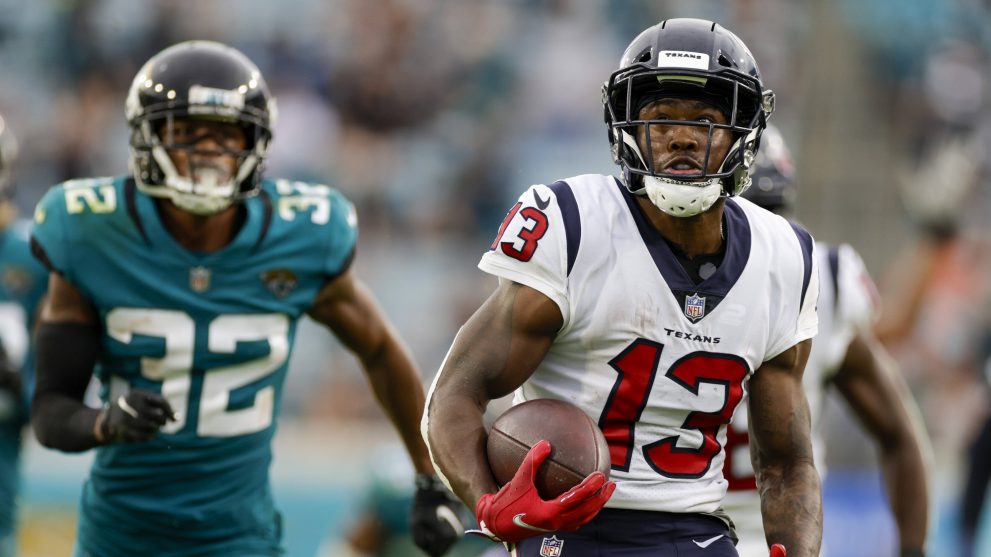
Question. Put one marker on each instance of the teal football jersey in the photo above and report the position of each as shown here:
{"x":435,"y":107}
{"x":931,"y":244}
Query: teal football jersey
{"x":212,"y":332}
{"x":22,"y":283}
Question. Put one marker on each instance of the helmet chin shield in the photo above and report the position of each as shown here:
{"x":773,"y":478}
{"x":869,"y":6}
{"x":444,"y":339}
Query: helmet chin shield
{"x":682,"y":199}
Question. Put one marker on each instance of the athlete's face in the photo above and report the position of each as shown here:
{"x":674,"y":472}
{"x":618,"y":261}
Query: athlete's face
{"x":680,"y":149}
{"x":196,"y":145}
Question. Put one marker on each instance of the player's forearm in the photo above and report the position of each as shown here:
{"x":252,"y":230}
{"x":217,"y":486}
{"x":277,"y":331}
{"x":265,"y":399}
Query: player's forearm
{"x":905,"y":476}
{"x":63,"y":423}
{"x":66,"y":355}
{"x":457,"y":437}
{"x":791,"y":506}
{"x":399,"y":391}
{"x":903,"y":302}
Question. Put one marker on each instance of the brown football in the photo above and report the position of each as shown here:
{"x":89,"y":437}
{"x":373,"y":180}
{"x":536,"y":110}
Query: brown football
{"x":578,"y":447}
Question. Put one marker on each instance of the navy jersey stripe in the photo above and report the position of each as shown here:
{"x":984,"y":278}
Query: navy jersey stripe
{"x":834,"y":273}
{"x":738,"y":244}
{"x":805,"y":240}
{"x":572,"y":220}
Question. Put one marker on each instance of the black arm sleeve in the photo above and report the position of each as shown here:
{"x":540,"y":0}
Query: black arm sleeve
{"x":66,"y":355}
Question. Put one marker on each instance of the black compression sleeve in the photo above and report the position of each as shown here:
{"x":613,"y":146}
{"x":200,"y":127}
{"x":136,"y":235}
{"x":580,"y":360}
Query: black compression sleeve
{"x":66,"y":355}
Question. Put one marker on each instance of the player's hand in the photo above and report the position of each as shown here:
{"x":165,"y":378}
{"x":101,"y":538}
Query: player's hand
{"x":11,"y":395}
{"x":10,"y":379}
{"x":778,"y":550}
{"x":437,"y":517}
{"x":935,"y":192}
{"x":517,"y":512}
{"x":135,"y":416}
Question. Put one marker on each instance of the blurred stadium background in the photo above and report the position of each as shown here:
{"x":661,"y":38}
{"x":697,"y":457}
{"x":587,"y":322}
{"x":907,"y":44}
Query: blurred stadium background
{"x":433,"y":115}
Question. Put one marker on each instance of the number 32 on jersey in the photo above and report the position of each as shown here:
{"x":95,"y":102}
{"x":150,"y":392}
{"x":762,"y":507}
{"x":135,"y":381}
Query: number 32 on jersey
{"x":174,"y":369}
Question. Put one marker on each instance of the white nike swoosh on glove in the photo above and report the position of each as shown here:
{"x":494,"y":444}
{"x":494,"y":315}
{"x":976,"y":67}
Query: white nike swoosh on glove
{"x":447,"y":515}
{"x":122,"y":402}
{"x":708,"y":542}
{"x":518,"y":520}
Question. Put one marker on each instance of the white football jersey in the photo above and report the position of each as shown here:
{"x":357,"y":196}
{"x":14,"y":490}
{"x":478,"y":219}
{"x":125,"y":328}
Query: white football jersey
{"x":659,"y":362}
{"x":848,"y":304}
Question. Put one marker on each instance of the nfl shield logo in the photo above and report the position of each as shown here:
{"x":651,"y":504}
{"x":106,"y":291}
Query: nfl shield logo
{"x":695,"y":307}
{"x":551,"y":547}
{"x":199,"y":279}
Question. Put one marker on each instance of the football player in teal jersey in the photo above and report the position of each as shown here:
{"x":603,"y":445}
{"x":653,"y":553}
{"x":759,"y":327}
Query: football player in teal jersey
{"x":22,"y":284}
{"x":181,"y":286}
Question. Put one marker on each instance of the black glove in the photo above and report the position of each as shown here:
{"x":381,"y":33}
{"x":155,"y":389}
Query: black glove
{"x":936,"y":192}
{"x":135,"y":416}
{"x":10,"y":380}
{"x":437,"y":519}
{"x":11,"y":395}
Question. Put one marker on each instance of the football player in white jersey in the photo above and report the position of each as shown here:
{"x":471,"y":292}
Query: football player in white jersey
{"x":656,"y":303}
{"x":844,"y":355}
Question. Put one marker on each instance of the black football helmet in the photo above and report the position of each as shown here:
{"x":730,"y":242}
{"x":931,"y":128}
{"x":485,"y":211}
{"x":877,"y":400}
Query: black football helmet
{"x":773,"y":175}
{"x":198,"y":79}
{"x":687,"y":58}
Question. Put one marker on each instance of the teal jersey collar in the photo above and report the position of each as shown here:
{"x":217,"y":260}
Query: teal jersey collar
{"x":143,"y":211}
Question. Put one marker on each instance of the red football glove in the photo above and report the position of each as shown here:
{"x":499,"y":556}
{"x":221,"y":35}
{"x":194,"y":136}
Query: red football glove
{"x":517,"y":512}
{"x":778,"y":550}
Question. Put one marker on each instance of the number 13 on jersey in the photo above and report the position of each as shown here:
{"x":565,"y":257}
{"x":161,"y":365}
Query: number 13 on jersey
{"x":637,"y":368}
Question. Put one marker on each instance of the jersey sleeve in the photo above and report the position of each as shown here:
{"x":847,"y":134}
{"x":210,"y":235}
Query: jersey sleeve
{"x":37,"y":279}
{"x":343,"y":234}
{"x":531,"y":247}
{"x":808,"y":320}
{"x":799,"y":320}
{"x":858,"y":303}
{"x":48,"y":234}
{"x":855,"y":303}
